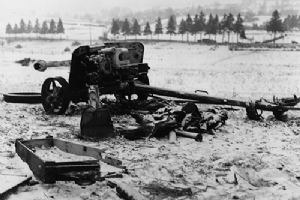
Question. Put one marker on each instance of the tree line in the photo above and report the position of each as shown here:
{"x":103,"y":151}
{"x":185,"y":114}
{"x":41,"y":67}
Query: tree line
{"x":291,"y":22}
{"x":45,"y":28}
{"x":191,"y":25}
{"x":201,"y":25}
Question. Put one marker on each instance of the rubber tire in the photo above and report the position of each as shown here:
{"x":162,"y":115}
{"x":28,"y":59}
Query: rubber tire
{"x":23,"y":97}
{"x":65,"y":88}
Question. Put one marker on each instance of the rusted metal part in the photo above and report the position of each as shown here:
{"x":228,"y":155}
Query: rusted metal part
{"x":51,"y":171}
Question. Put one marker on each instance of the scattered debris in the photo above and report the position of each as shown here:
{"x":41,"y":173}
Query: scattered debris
{"x":18,"y":46}
{"x":125,"y":190}
{"x":25,"y":62}
{"x":162,"y":191}
{"x":67,"y":49}
{"x":23,"y":97}
{"x":251,"y":177}
{"x":173,"y":119}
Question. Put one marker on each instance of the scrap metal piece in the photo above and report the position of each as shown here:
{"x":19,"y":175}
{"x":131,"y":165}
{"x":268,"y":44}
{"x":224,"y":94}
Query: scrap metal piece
{"x":126,"y":191}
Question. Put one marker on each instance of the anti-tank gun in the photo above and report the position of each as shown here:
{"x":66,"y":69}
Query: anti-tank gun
{"x":118,"y":68}
{"x":111,"y":68}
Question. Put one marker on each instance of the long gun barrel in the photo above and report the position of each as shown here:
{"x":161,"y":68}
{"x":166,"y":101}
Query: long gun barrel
{"x":189,"y":96}
{"x":278,"y":109}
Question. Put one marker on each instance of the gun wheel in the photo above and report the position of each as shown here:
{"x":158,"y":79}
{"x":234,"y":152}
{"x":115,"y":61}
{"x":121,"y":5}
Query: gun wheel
{"x":55,"y":95}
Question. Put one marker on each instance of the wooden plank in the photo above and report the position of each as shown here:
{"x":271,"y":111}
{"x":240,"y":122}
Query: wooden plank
{"x":10,"y":182}
{"x":78,"y":149}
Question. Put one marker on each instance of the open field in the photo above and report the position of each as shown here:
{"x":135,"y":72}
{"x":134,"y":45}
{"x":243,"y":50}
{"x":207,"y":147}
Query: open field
{"x":245,"y":159}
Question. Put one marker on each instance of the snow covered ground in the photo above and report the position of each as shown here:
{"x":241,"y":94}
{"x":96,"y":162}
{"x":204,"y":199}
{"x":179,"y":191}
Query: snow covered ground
{"x":245,"y":159}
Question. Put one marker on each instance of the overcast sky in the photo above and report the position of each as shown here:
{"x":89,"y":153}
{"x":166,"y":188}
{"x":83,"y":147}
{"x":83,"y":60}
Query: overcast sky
{"x":19,"y":7}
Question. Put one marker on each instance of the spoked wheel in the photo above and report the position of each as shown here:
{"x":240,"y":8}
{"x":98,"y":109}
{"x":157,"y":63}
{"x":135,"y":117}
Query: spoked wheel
{"x":55,"y":95}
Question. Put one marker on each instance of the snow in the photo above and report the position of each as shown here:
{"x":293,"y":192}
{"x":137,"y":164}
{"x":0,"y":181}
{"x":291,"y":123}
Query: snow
{"x":262,"y":157}
{"x":57,"y":155}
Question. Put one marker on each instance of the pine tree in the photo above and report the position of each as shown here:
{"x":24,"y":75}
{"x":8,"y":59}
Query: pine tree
{"x":171,"y":28}
{"x":290,"y":22}
{"x":126,"y":28}
{"x":115,"y":28}
{"x":22,"y":28}
{"x":189,"y":25}
{"x":223,"y":26}
{"x":136,"y":28}
{"x":286,"y":23}
{"x":36,"y":28}
{"x":294,"y":21}
{"x":209,"y":25}
{"x":229,"y":25}
{"x":52,"y":28}
{"x":44,"y":28}
{"x":275,"y":24}
{"x":196,"y":26}
{"x":60,"y":27}
{"x":238,"y":27}
{"x":29,"y":27}
{"x":9,"y":29}
{"x":147,"y":29}
{"x":182,"y":28}
{"x":215,"y":27}
{"x":16,"y":29}
{"x":202,"y":22}
{"x":158,"y":27}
